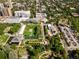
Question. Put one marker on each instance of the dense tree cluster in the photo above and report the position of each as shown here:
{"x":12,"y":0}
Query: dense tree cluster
{"x":35,"y":51}
{"x":56,"y":48}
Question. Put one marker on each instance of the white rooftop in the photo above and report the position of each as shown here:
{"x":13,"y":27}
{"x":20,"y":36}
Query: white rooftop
{"x":22,"y":13}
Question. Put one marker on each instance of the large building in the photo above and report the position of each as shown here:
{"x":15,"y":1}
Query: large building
{"x":5,"y":8}
{"x":6,"y":12}
{"x":22,"y":13}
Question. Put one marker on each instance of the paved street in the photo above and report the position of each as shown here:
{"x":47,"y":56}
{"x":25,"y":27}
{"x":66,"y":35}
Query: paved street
{"x":42,"y":30}
{"x":21,"y":31}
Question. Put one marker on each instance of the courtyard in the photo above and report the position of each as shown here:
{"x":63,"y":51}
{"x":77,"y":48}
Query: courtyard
{"x":32,"y":31}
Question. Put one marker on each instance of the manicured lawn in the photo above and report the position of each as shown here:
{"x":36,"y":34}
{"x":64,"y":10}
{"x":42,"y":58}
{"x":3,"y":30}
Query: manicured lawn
{"x":32,"y":31}
{"x":3,"y":38}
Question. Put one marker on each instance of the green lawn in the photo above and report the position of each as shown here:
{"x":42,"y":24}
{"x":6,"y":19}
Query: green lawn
{"x":32,"y":31}
{"x":2,"y":28}
{"x":3,"y":38}
{"x":14,"y":28}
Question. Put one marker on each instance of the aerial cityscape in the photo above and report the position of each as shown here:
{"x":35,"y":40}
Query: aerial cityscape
{"x":39,"y":29}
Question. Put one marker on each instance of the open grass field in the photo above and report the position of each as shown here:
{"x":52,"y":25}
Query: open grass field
{"x":32,"y":31}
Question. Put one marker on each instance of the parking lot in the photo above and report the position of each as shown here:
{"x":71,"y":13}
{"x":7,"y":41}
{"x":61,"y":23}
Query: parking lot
{"x":69,"y":38}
